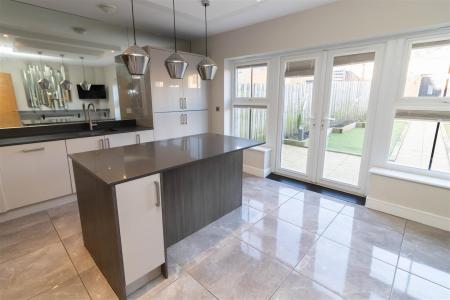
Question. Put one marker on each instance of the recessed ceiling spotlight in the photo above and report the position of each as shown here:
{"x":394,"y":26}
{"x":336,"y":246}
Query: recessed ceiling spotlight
{"x":5,"y":35}
{"x":79,"y":30}
{"x":112,"y":51}
{"x":107,"y":8}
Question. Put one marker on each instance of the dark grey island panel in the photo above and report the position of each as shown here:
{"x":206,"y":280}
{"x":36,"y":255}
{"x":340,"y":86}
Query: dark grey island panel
{"x":135,"y":201}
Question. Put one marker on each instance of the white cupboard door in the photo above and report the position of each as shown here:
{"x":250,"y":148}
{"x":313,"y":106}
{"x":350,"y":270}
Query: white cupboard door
{"x":168,"y":125}
{"x":34,"y":172}
{"x":120,"y":139}
{"x":144,"y":136}
{"x":194,"y":88}
{"x":141,"y":228}
{"x":166,"y":92}
{"x":82,"y":145}
{"x":197,"y":122}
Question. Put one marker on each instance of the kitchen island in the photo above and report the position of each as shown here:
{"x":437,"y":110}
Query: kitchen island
{"x":135,"y":201}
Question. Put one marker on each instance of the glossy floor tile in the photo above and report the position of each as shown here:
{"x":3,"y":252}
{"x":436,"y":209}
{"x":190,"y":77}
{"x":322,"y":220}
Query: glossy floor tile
{"x":347,"y":272}
{"x":239,"y":271}
{"x":283,"y":243}
{"x":312,"y":218}
{"x":367,"y":237}
{"x":279,"y":239}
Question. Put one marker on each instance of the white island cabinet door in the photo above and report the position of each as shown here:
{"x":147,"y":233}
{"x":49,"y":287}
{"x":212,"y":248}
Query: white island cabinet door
{"x":141,"y":228}
{"x":144,"y":136}
{"x":82,"y":145}
{"x":120,"y":139}
{"x":33,"y":173}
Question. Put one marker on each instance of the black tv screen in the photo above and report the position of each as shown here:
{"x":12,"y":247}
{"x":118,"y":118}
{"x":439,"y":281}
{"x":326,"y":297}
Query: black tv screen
{"x":97,"y":91}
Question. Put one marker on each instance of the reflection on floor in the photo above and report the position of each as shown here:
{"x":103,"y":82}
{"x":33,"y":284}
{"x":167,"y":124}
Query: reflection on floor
{"x":283,"y":243}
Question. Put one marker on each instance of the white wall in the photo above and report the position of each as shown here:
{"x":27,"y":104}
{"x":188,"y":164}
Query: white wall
{"x":339,"y":22}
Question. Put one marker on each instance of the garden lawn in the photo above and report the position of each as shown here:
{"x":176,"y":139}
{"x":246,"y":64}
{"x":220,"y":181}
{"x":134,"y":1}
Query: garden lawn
{"x":350,"y":142}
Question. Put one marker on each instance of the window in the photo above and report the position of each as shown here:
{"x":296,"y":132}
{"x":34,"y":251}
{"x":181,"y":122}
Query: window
{"x":428,"y":70}
{"x":249,"y":121}
{"x":251,"y":81}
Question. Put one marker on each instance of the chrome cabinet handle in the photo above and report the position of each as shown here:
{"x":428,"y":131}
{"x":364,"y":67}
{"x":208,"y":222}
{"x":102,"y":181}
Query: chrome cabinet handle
{"x":33,"y":150}
{"x":186,"y":119}
{"x":158,"y":194}
{"x":138,"y":138}
{"x":108,"y":145}
{"x":102,"y":144}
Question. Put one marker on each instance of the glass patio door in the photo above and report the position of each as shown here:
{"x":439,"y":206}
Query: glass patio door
{"x":345,"y":115}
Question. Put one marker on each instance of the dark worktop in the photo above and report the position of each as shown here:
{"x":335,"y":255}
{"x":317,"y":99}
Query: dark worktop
{"x":38,"y":134}
{"x":117,"y":165}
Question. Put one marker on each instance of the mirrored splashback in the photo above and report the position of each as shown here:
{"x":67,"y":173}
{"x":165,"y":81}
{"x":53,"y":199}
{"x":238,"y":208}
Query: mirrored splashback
{"x":41,"y":47}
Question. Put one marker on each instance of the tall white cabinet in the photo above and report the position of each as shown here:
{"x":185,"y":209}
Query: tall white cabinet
{"x":180,"y":106}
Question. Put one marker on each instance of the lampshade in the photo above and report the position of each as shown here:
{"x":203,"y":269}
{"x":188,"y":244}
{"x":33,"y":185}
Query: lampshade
{"x":136,"y":59}
{"x":85,"y":86}
{"x":207,"y":69}
{"x":176,"y":66}
{"x":44,"y":84}
{"x":65,"y":85}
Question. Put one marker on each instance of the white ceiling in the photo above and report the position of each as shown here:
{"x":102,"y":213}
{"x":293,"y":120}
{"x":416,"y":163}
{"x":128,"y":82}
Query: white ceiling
{"x":156,"y":15}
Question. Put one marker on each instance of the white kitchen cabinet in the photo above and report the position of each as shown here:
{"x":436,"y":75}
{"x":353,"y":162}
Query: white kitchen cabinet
{"x":140,"y":224}
{"x":82,"y":145}
{"x":197,"y":122}
{"x":120,"y":139}
{"x":33,"y":173}
{"x":145,"y":136}
{"x":194,"y":88}
{"x":166,"y":92}
{"x":177,"y":124}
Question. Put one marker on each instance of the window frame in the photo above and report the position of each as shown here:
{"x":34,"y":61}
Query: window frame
{"x":415,"y":103}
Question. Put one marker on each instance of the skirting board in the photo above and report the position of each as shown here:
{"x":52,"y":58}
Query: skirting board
{"x":34,"y":208}
{"x":256,"y":171}
{"x":409,"y":213}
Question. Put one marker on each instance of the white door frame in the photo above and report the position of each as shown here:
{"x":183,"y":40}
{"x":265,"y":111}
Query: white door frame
{"x":360,"y":188}
{"x":319,"y":58}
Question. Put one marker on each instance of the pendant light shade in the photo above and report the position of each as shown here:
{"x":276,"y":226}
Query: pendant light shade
{"x":65,"y":84}
{"x":134,"y":57}
{"x":176,"y":65}
{"x":85,"y":86}
{"x":43,"y":83}
{"x":207,"y":68}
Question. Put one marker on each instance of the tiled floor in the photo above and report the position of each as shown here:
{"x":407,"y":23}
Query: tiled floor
{"x":283,"y":243}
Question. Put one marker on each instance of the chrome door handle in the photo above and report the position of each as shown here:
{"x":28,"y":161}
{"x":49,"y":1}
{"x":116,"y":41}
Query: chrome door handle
{"x":158,"y":194}
{"x":185,"y":119}
{"x":182,"y":119}
{"x":138,"y":138}
{"x":102,"y":144}
{"x":108,"y":145}
{"x":33,"y":150}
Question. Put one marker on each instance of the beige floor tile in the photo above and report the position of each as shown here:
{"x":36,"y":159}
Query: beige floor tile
{"x":27,"y":239}
{"x":297,"y":286}
{"x":239,"y":219}
{"x":64,"y":209}
{"x":96,"y":285}
{"x":239,"y":271}
{"x":262,"y":199}
{"x":184,"y":288}
{"x":408,"y":286}
{"x":36,"y":272}
{"x":72,"y":289}
{"x":18,"y":224}
{"x":320,"y":200}
{"x":67,"y":224}
{"x":78,"y":253}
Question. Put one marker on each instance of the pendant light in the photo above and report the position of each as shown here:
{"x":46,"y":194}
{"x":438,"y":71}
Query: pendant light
{"x":85,"y":86}
{"x":207,"y":68}
{"x":135,"y":58}
{"x":176,"y":65}
{"x":65,"y":84}
{"x":43,"y":82}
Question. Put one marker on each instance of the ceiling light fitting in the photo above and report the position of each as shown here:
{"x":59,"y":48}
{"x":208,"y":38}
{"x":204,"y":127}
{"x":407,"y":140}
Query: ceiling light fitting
{"x":43,"y":82}
{"x":65,"y":84}
{"x":134,"y":57}
{"x":207,"y":68}
{"x":85,"y":86}
{"x":176,"y":65}
{"x":107,"y":8}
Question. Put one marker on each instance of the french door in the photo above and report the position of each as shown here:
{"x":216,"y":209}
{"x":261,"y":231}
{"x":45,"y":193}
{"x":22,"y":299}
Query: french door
{"x":326,"y":108}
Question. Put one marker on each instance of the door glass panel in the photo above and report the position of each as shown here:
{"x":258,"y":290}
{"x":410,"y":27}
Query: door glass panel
{"x":347,"y":116}
{"x":298,"y":93}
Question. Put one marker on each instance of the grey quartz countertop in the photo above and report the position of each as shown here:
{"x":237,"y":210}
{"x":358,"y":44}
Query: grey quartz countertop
{"x":117,"y":165}
{"x":39,"y":138}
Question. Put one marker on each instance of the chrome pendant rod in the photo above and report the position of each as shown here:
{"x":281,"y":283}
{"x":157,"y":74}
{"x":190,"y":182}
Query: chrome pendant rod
{"x":205,"y":4}
{"x":132,"y":18}
{"x":174,"y":25}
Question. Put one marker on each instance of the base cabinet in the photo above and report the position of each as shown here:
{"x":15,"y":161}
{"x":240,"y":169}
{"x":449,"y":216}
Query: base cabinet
{"x":141,"y":228}
{"x":34,"y":173}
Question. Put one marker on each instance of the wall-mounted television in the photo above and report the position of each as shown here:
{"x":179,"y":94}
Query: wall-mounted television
{"x":97,"y":91}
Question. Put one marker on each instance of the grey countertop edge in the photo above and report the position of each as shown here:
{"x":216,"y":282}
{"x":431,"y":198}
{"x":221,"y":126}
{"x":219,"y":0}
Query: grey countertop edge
{"x":67,"y":136}
{"x":116,"y":182}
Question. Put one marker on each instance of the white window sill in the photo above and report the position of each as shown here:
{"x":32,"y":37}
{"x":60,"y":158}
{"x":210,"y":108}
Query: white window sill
{"x":432,"y":181}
